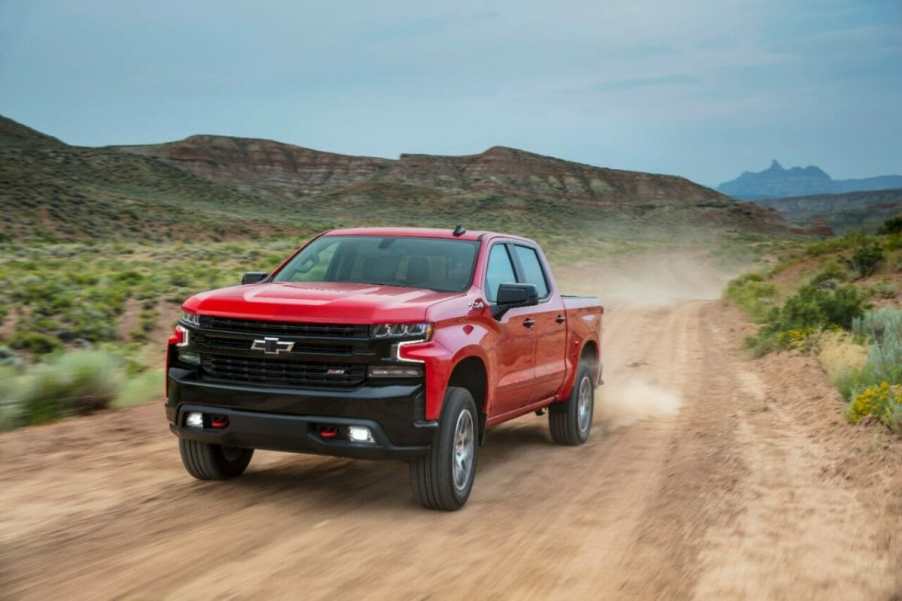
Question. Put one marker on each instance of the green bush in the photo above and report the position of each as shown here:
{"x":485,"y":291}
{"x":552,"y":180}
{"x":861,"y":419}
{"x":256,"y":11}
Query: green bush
{"x":830,"y":274}
{"x":866,"y":259}
{"x":143,"y":388}
{"x":34,"y":342}
{"x":882,"y":401}
{"x":836,"y":244}
{"x":811,"y":309}
{"x":752,"y":294}
{"x":882,"y":331}
{"x":73,"y":383}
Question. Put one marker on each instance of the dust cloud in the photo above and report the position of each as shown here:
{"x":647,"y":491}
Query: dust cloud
{"x":625,"y":402}
{"x":648,"y":280}
{"x":638,"y":293}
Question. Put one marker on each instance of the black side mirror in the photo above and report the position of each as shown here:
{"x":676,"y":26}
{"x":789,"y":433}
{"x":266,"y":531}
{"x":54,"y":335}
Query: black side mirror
{"x":252,"y":277}
{"x":515,"y":295}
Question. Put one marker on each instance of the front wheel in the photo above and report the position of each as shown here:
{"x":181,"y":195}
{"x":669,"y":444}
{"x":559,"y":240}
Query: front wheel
{"x":443,"y":478}
{"x":571,"y":422}
{"x":212,"y":461}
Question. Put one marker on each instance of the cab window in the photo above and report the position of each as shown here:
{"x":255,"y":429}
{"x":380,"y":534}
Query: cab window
{"x":500,"y":270}
{"x":532,"y":269}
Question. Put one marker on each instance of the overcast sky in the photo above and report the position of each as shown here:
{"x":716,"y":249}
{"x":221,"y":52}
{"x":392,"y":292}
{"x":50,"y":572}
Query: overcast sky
{"x":703,"y":89}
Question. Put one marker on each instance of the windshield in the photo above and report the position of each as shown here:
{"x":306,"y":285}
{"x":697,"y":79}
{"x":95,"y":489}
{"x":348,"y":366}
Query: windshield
{"x":432,"y":263}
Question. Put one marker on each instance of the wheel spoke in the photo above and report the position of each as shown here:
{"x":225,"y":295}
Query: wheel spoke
{"x":462,"y":450}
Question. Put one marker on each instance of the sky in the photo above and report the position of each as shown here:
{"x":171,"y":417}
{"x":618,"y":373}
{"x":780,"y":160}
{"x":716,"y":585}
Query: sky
{"x":704,"y":89}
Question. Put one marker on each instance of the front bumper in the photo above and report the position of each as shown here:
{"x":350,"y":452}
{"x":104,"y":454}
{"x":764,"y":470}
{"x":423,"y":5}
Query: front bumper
{"x":289,"y":419}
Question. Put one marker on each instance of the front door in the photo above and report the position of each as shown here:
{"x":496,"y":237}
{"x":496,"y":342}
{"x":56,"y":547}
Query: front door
{"x":514,"y":348}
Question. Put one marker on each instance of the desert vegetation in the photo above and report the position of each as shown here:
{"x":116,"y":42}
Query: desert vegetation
{"x":83,"y":325}
{"x":838,"y":299}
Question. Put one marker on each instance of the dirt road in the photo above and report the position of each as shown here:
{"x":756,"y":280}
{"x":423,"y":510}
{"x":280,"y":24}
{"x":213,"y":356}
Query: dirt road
{"x":708,"y":476}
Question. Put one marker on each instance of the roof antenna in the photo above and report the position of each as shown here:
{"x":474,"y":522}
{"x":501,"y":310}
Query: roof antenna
{"x":459,"y":231}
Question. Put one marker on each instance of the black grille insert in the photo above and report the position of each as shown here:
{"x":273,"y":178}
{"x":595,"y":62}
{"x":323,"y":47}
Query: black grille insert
{"x":325,"y":330}
{"x":215,"y":343}
{"x":275,"y":372}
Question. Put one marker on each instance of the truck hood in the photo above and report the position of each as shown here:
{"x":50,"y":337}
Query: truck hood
{"x":325,"y":302}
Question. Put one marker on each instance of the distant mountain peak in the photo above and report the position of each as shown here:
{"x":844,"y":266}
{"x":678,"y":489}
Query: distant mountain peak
{"x":778,"y":182}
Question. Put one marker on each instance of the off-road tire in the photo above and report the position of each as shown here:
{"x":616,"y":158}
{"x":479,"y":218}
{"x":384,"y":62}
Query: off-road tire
{"x":212,"y":461}
{"x":432,"y":476}
{"x":564,"y":418}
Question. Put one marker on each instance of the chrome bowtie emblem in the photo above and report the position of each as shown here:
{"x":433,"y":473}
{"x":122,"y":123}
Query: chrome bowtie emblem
{"x":272,"y":346}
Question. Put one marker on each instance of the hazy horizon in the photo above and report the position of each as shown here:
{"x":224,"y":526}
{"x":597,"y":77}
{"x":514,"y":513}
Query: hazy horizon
{"x":706,"y":91}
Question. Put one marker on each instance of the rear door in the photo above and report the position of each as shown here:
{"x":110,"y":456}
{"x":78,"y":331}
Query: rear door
{"x":515,"y":347}
{"x":548,"y":323}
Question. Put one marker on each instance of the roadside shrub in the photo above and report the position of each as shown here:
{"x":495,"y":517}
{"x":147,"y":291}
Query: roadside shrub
{"x":830,"y":275}
{"x":752,"y":294}
{"x":813,"y":308}
{"x":882,"y":331}
{"x":882,"y":401}
{"x":883,"y":326}
{"x":810,"y":310}
{"x":866,"y":258}
{"x":140,"y":389}
{"x":94,"y":378}
{"x":74,"y":383}
{"x":839,"y":353}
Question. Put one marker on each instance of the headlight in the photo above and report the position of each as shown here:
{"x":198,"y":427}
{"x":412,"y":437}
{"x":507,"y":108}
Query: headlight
{"x":418,"y":331}
{"x":192,"y":319}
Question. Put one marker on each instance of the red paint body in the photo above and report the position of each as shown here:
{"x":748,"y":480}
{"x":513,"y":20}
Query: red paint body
{"x":526,"y":368}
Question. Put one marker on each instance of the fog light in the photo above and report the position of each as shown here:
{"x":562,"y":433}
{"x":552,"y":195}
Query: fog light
{"x":194,"y":420}
{"x":360,"y":434}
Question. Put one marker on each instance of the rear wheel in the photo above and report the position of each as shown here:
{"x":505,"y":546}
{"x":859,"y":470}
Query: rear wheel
{"x":443,"y":478}
{"x":571,"y":422}
{"x":212,"y":461}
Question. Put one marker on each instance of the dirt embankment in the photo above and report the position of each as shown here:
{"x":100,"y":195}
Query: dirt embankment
{"x":708,"y":476}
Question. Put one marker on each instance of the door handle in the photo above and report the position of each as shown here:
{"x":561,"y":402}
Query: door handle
{"x":528,"y":322}
{"x":560,"y":319}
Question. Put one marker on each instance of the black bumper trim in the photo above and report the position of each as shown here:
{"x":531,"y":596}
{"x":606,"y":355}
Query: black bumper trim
{"x":279,"y":418}
{"x":294,"y":433}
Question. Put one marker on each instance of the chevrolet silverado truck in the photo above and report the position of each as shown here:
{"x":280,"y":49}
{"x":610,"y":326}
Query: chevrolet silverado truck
{"x":379,"y":343}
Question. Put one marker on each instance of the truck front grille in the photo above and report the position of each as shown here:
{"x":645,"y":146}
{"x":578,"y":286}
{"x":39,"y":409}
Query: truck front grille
{"x":321,"y":330}
{"x":273,"y":372}
{"x":244,"y":343}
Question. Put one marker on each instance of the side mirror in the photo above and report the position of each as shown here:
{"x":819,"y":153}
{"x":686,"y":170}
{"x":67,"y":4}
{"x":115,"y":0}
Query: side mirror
{"x":252,"y":277}
{"x":515,"y":295}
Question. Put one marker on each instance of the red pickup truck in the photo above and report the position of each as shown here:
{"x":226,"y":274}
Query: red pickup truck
{"x":383,"y":343}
